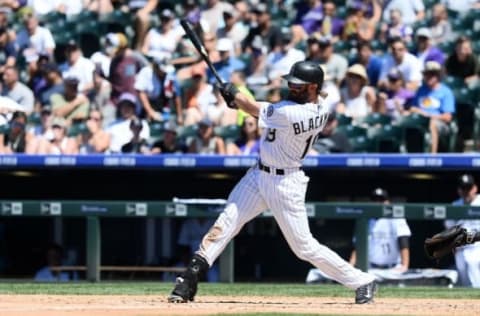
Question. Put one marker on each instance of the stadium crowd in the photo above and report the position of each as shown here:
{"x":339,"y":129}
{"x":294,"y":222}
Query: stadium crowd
{"x":107,"y":76}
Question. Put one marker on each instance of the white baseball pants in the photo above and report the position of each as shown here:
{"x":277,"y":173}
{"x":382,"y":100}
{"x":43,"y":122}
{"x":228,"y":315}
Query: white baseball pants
{"x":284,"y":195}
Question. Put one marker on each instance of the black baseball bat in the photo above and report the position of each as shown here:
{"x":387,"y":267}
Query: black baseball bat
{"x":200,"y":48}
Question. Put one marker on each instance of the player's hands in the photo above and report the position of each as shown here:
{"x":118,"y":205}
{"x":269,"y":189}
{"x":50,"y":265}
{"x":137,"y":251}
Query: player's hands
{"x":228,"y":92}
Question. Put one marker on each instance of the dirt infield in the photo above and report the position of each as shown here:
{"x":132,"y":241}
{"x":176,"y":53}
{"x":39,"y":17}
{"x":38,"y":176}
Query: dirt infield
{"x":131,"y":305}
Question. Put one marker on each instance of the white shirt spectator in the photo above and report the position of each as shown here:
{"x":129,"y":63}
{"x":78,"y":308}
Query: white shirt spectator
{"x":100,"y":58}
{"x":358,"y":106}
{"x":461,"y":6}
{"x":21,"y":94}
{"x":278,"y":63}
{"x":147,"y":82}
{"x":121,"y":134}
{"x":42,"y":40}
{"x":410,"y":67}
{"x":164,"y":44}
{"x":42,"y":7}
{"x":82,"y":70}
{"x":408,"y":8}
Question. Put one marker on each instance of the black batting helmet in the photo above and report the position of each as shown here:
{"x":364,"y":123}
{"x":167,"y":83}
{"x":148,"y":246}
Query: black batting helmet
{"x":305,"y":72}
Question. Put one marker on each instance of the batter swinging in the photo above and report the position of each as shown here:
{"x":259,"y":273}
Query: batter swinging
{"x":277,"y":183}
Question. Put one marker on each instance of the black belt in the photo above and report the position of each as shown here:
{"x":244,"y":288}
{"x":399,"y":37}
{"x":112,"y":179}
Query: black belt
{"x":382,"y":266}
{"x":278,"y":172}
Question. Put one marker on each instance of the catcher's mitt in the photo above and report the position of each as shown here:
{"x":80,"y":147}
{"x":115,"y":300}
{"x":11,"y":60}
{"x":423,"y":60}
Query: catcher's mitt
{"x":445,"y":242}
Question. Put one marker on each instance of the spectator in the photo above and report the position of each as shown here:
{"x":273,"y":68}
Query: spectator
{"x":358,"y":26}
{"x":36,"y":80}
{"x":54,"y":84}
{"x":467,"y":258}
{"x":249,"y":141}
{"x":198,"y":98}
{"x":228,"y":63}
{"x":389,"y":240}
{"x":100,"y":96}
{"x":330,"y":139}
{"x":461,"y":6}
{"x":162,"y":41}
{"x":357,"y":97}
{"x":212,"y":13}
{"x":436,"y":101}
{"x":233,"y":30}
{"x":396,"y":98}
{"x":142,"y":9}
{"x":34,"y":36}
{"x":425,"y":50}
{"x":18,"y":139}
{"x":94,"y":139}
{"x":331,"y":90}
{"x":53,"y":258}
{"x":8,"y":50}
{"x":396,"y":28}
{"x":440,"y":27}
{"x":79,"y":67}
{"x":311,"y":19}
{"x":119,"y":130}
{"x":401,"y":59}
{"x":137,"y":145}
{"x":16,"y":90}
{"x":372,"y":63}
{"x":331,"y":25}
{"x":279,"y":61}
{"x":43,"y":131}
{"x":336,"y":65}
{"x":70,"y":105}
{"x":158,"y":90}
{"x":267,"y":31}
{"x":412,"y":11}
{"x":169,"y":144}
{"x":206,"y":142}
{"x":462,"y":63}
{"x":256,"y":71}
{"x":124,"y":66}
{"x":60,"y":144}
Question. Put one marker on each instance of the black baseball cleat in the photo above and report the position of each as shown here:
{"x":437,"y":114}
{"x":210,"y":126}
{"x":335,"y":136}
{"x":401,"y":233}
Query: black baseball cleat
{"x":183,"y":291}
{"x":365,"y":293}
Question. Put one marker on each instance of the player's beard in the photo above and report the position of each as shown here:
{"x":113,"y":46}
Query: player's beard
{"x":298,"y":95}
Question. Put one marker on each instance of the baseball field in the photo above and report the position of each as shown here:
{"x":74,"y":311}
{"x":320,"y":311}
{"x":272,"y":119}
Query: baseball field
{"x":149,"y":298}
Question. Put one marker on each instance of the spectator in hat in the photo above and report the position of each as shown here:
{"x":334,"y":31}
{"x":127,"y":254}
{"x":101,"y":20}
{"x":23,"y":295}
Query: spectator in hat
{"x":467,"y":258}
{"x":424,"y":49}
{"x":158,"y":90}
{"x":206,"y":142}
{"x":36,"y":80}
{"x":335,"y":64}
{"x":54,"y":83}
{"x":388,"y":239}
{"x":330,"y":139}
{"x":267,"y":31}
{"x":124,"y":66}
{"x":16,"y":90}
{"x":119,"y":130}
{"x":370,"y":60}
{"x":357,"y":96}
{"x":18,"y":139}
{"x":407,"y":63}
{"x":34,"y":36}
{"x":169,"y":144}
{"x":436,"y":101}
{"x":93,"y":139}
{"x":137,"y":145}
{"x":233,"y":29}
{"x":395,"y":28}
{"x":164,"y":39}
{"x":78,"y":66}
{"x":281,"y":60}
{"x":396,"y":98}
{"x":60,"y":143}
{"x":463,"y":63}
{"x":71,"y":105}
{"x":228,"y":63}
{"x":358,"y":26}
{"x":212,"y":13}
{"x":8,"y":50}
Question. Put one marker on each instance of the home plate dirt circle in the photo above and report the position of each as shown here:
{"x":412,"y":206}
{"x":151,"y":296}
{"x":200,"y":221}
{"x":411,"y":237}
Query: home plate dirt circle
{"x":135,"y":305}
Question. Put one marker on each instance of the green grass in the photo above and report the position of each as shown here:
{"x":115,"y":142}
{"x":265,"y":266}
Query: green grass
{"x":250,"y":289}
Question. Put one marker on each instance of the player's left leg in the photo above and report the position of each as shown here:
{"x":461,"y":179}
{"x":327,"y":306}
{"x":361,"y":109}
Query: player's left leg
{"x":288,"y":206}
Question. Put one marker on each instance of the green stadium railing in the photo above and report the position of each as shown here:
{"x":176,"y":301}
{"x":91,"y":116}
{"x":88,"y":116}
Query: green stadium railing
{"x":93,"y":210}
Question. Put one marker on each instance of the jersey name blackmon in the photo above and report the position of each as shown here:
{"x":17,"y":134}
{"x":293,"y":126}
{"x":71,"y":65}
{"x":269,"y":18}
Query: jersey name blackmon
{"x":313,"y":123}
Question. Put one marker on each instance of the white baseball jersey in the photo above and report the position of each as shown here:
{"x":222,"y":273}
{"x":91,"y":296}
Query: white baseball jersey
{"x":290,"y":129}
{"x":467,"y":258}
{"x":383,"y":240}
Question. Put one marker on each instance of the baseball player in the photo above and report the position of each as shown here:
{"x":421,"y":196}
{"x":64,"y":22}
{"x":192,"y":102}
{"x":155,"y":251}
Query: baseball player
{"x":467,"y":258}
{"x":388,"y":240}
{"x":277,"y":183}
